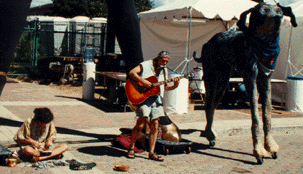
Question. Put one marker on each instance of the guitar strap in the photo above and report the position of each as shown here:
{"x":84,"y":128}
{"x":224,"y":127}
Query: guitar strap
{"x":164,"y":71}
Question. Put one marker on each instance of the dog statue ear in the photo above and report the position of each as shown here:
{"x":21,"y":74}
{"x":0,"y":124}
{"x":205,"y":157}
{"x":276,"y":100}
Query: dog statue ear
{"x":242,"y":22}
{"x":288,"y":12}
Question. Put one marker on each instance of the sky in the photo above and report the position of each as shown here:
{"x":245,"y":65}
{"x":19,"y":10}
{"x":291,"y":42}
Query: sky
{"x":158,"y":3}
{"x":36,"y":3}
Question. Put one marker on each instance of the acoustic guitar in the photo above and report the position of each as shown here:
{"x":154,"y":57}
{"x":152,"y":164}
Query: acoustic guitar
{"x":137,"y":93}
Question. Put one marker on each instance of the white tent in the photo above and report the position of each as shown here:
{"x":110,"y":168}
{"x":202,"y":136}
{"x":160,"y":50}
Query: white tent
{"x":290,"y":61}
{"x":167,"y":28}
{"x":183,"y":27}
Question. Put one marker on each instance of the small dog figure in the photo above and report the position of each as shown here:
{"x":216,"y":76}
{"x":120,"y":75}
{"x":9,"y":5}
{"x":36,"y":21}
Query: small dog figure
{"x":253,"y":51}
{"x":169,"y":131}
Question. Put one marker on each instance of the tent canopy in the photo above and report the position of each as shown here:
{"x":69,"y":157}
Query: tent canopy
{"x":184,"y":26}
{"x":210,"y":9}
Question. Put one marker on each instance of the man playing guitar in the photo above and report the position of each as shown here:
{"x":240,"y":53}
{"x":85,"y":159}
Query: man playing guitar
{"x":151,"y":107}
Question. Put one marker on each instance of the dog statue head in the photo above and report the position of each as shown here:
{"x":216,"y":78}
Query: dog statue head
{"x":265,"y":20}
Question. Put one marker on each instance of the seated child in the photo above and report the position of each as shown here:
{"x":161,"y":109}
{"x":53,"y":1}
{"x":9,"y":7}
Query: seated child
{"x":38,"y":134}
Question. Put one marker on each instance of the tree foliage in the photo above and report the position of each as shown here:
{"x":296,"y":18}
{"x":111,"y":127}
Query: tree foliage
{"x":90,"y":8}
{"x":23,"y":50}
{"x":143,"y":5}
{"x":258,"y":1}
{"x":72,"y":8}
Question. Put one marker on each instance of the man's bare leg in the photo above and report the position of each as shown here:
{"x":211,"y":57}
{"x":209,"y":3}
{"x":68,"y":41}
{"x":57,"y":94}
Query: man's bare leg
{"x":141,"y":121}
{"x":154,"y":129}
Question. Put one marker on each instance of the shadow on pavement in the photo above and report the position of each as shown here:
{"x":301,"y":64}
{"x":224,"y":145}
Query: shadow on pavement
{"x":102,"y":150}
{"x":8,"y":122}
{"x":225,"y":157}
{"x":61,"y":130}
{"x":198,"y":147}
{"x":102,"y":105}
{"x":100,"y":137}
{"x":189,"y":131}
{"x":106,"y":150}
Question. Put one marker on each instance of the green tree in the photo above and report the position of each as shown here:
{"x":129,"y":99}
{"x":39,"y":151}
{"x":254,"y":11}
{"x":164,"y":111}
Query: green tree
{"x":258,"y":1}
{"x":90,"y":8}
{"x":23,"y":50}
{"x":143,"y":5}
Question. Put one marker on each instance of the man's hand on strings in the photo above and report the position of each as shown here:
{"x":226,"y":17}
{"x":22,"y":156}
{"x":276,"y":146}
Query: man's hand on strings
{"x":177,"y":81}
{"x":146,"y":83}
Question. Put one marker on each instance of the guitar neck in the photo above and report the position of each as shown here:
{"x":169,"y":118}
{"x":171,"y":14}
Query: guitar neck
{"x":168,"y":80}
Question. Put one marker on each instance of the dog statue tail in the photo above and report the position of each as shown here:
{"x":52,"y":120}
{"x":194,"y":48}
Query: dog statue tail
{"x":196,"y":58}
{"x":203,"y":53}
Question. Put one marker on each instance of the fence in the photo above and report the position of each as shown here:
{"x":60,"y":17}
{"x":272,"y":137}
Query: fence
{"x":45,"y":37}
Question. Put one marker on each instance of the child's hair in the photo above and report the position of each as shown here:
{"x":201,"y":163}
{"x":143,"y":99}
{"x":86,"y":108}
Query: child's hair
{"x":43,"y":115}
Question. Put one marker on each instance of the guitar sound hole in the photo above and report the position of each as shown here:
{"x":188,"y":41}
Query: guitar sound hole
{"x":142,"y":89}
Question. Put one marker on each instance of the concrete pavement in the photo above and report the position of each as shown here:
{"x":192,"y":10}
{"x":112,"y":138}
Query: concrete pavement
{"x":88,"y":128}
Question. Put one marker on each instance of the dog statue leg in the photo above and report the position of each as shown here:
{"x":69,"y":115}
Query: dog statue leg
{"x":210,"y":132}
{"x":259,"y":151}
{"x":264,"y":88}
{"x":216,"y":83}
{"x":269,"y":142}
{"x":211,"y":104}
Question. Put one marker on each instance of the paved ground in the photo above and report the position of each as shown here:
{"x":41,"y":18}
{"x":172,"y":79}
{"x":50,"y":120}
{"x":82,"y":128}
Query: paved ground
{"x":89,"y":127}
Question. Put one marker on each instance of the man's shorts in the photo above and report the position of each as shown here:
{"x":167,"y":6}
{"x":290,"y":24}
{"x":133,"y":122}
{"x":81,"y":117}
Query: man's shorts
{"x":150,"y":108}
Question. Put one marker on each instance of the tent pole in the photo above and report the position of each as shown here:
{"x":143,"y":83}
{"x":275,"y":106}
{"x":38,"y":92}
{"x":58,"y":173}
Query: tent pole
{"x":288,"y":54}
{"x":189,"y":38}
{"x":287,"y":64}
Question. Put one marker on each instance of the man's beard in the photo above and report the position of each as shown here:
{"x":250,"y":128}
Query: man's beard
{"x":162,"y":66}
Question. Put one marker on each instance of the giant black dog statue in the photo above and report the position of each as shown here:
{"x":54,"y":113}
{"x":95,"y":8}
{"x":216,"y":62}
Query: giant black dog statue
{"x":253,"y":51}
